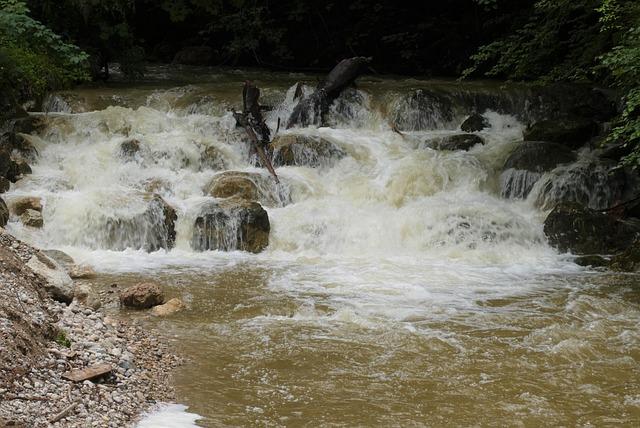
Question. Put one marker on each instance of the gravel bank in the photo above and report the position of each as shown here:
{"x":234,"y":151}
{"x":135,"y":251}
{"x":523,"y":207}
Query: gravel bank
{"x":42,"y":339}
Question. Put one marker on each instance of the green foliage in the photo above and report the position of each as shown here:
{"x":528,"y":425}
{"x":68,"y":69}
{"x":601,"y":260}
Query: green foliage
{"x":33,"y":59}
{"x":560,"y":41}
{"x":62,"y":339}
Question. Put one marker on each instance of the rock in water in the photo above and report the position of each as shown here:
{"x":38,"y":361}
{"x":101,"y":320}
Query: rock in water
{"x":150,"y":230}
{"x":475,"y":122}
{"x":4,"y":185}
{"x":142,"y":296}
{"x":526,"y":164}
{"x":252,"y":186}
{"x":32,"y":218}
{"x":301,"y":150}
{"x":593,"y":183}
{"x":129,"y":148}
{"x":571,"y":132}
{"x":58,"y":283}
{"x":628,"y":260}
{"x":4,"y":213}
{"x":20,"y":205}
{"x":421,"y":110}
{"x":456,"y":142}
{"x":575,"y":228}
{"x":60,"y":257}
{"x":171,"y":307}
{"x":81,"y":272}
{"x":231,"y":224}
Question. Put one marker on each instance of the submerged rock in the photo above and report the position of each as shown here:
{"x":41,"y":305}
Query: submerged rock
{"x":142,"y":296}
{"x":456,"y":142}
{"x":171,"y":307}
{"x":628,"y":260}
{"x":32,"y":218}
{"x":474,"y":123}
{"x":129,"y":148}
{"x":212,"y":158}
{"x":580,"y":230}
{"x":571,"y":132}
{"x":526,"y":164}
{"x":58,"y":283}
{"x":252,"y":186}
{"x":302,"y":150}
{"x":231,"y":224}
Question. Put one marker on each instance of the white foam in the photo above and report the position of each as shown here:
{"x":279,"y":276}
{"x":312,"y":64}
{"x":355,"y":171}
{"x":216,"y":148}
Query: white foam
{"x":169,"y":416}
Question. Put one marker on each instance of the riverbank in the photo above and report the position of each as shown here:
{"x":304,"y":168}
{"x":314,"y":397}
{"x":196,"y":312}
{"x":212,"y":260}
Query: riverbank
{"x":44,"y":340}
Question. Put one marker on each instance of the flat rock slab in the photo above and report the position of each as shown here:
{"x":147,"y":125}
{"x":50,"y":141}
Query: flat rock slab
{"x":80,"y":375}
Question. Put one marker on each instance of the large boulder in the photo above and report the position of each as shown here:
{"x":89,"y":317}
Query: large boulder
{"x":60,"y":257}
{"x":252,"y":186}
{"x":194,"y":55}
{"x":150,"y":230}
{"x":571,"y":132}
{"x":231,"y":224}
{"x":5,"y":185}
{"x":456,"y":142}
{"x":595,"y":184}
{"x":628,"y":260}
{"x":58,"y":283}
{"x":580,"y":230}
{"x":304,"y":150}
{"x":421,"y":110}
{"x":526,"y":164}
{"x":142,"y":296}
{"x":474,"y":123}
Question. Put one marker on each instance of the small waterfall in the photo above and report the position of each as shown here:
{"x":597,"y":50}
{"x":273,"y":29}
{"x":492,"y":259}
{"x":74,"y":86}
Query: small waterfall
{"x":517,"y":183}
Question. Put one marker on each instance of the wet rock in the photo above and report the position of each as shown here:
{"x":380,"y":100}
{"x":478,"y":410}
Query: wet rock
{"x":86,"y":296}
{"x":616,"y":151}
{"x":18,"y":169}
{"x":628,"y":260}
{"x":142,"y":296}
{"x":32,"y":218}
{"x":19,"y":206}
{"x":60,"y":257}
{"x":575,"y":228}
{"x":194,"y":55}
{"x":129,"y":148}
{"x":81,"y":272}
{"x":592,"y":261}
{"x":596,"y":184}
{"x":303,"y":150}
{"x":231,"y":224}
{"x":58,"y":283}
{"x":4,"y":213}
{"x":150,"y":230}
{"x":571,"y":132}
{"x":171,"y":307}
{"x":526,"y":164}
{"x":457,"y":142}
{"x":4,"y":185}
{"x":251,"y":186}
{"x":474,"y":123}
{"x":212,"y":158}
{"x":421,"y":110}
{"x":6,"y":162}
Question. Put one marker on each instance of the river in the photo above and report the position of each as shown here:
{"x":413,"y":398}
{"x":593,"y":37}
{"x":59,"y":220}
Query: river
{"x":398,"y":288}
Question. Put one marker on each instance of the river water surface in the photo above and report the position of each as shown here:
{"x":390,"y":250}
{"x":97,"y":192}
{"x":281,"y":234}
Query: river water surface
{"x":399,"y":288}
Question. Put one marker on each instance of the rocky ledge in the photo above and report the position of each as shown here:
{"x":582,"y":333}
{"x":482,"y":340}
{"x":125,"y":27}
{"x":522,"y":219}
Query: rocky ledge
{"x":69,"y":365}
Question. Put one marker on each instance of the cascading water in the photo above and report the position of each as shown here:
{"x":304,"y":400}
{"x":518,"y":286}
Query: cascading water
{"x":400,"y":284}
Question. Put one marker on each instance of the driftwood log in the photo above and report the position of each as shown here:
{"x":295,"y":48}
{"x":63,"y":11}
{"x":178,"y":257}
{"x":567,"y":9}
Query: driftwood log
{"x":252,"y":121}
{"x":310,"y":110}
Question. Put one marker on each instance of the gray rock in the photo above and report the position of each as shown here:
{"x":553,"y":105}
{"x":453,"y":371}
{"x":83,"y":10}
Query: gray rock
{"x":58,"y":283}
{"x":32,"y":218}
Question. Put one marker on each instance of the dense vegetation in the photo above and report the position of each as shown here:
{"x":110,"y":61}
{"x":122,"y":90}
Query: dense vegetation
{"x":545,"y":40}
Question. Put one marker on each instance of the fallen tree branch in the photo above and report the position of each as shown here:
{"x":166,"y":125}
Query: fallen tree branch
{"x":64,"y":413}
